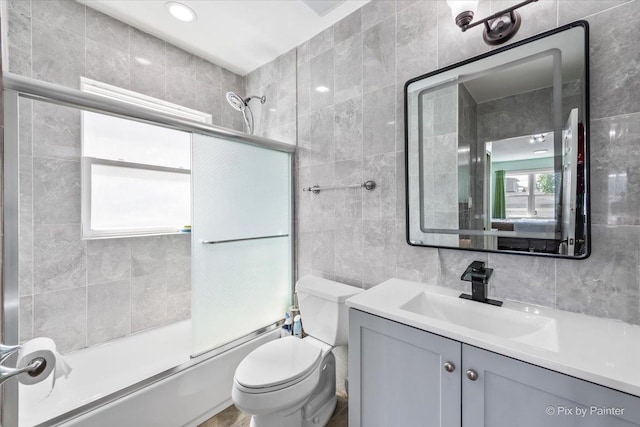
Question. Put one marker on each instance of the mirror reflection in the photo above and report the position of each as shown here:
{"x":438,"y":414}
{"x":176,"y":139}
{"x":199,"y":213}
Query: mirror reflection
{"x":496,"y":150}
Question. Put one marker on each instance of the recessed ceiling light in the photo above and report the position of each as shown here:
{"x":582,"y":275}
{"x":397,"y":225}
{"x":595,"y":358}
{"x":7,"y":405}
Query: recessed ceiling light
{"x":540,"y":151}
{"x":322,"y":89}
{"x":181,"y":12}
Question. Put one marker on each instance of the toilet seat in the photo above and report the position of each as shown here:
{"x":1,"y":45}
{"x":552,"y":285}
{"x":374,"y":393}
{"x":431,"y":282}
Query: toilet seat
{"x":276,"y":365}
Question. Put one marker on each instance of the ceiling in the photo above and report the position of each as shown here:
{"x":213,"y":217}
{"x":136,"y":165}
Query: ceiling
{"x":520,"y":148}
{"x":240,"y":35}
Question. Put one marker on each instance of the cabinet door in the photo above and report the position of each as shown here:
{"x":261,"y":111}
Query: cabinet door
{"x":397,"y":375}
{"x":509,"y":393}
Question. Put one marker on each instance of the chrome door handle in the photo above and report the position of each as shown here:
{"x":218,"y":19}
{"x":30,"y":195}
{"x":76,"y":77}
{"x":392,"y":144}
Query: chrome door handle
{"x":215,"y":242}
{"x":472,"y":375}
{"x":449,"y":367}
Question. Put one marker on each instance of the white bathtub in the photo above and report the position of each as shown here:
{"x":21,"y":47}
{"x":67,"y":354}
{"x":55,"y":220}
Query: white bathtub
{"x":185,"y":398}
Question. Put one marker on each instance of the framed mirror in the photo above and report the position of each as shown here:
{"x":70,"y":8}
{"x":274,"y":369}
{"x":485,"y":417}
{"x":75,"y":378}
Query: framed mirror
{"x":497,"y":149}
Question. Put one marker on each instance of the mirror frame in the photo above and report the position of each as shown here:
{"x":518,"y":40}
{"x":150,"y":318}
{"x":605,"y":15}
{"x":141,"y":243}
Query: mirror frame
{"x":587,"y":140}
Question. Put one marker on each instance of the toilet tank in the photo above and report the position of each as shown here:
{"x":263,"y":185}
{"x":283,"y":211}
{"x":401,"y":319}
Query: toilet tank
{"x":324,"y":314}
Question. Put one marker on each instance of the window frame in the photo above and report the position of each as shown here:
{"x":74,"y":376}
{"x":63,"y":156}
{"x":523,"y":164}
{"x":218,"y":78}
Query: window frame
{"x":90,"y":233}
{"x":153,"y":104}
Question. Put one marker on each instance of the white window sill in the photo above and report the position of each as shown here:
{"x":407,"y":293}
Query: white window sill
{"x":132,"y":235}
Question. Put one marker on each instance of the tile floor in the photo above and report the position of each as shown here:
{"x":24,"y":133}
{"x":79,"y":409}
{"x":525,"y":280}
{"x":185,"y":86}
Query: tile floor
{"x":231,"y":417}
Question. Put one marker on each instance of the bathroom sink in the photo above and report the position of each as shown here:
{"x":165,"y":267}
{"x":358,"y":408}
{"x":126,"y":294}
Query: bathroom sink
{"x":525,"y":327}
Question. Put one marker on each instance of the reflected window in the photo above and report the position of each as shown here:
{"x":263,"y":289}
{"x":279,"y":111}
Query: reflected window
{"x":530,"y":194}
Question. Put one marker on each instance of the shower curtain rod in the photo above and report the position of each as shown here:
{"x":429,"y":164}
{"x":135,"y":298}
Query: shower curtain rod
{"x":37,"y":89}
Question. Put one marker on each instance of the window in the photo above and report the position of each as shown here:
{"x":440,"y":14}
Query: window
{"x":136,"y":177}
{"x":530,"y":194}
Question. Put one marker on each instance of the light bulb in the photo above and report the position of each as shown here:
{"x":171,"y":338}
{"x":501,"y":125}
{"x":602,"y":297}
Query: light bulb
{"x":461,"y":6}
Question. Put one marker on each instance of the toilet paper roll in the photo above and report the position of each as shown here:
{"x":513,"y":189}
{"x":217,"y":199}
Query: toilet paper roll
{"x":43,"y":348}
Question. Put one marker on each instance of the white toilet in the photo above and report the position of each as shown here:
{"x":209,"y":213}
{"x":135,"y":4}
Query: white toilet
{"x":291,"y":382}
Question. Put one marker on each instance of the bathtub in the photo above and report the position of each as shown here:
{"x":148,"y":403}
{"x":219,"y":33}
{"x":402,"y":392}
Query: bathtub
{"x":185,"y":398}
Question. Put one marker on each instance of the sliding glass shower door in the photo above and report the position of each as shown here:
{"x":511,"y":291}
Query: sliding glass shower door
{"x":241,"y":240}
{"x":98,"y":260}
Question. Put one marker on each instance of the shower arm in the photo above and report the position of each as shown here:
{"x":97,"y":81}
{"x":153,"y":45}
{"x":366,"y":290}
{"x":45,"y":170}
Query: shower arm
{"x":262,"y":99}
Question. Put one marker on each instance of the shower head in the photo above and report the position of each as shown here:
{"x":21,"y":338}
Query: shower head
{"x":236,"y":101}
{"x":242,"y":105}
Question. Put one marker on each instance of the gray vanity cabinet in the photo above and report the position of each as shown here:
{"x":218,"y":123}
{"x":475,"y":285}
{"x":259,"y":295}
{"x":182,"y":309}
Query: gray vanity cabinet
{"x":396,"y":377}
{"x":400,"y":376}
{"x":507,"y":392}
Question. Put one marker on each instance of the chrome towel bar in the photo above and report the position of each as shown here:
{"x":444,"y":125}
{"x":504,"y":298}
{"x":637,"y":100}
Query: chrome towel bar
{"x":215,"y":242}
{"x":367,"y":185}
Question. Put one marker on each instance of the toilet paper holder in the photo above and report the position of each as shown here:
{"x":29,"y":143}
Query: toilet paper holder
{"x":34,"y":368}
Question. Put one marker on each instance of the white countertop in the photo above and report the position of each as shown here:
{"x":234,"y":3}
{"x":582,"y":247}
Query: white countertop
{"x":602,"y":351}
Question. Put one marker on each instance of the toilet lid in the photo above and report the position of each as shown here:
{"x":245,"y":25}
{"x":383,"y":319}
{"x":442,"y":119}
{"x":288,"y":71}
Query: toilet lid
{"x":278,"y":362}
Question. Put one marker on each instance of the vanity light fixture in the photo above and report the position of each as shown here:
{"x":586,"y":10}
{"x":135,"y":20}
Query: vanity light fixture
{"x":498,"y":28}
{"x":181,"y":11}
{"x":540,"y":151}
{"x":322,"y":89}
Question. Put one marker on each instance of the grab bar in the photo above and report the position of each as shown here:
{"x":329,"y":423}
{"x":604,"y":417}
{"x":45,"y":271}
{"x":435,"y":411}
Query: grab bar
{"x":215,"y":242}
{"x":367,"y":185}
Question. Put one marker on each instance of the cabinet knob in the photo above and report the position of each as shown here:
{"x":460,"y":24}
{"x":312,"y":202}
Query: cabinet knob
{"x":449,"y":367}
{"x":472,"y":375}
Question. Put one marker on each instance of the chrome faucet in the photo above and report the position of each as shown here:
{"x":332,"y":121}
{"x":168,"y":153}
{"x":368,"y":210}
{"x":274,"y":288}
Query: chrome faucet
{"x":478,"y":275}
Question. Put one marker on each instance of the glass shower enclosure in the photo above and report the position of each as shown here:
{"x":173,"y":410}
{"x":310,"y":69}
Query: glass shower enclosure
{"x":141,"y":306}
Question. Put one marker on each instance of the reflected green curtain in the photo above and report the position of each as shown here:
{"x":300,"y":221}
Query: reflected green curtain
{"x":499,"y":202}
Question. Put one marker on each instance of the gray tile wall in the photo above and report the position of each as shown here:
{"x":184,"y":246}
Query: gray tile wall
{"x":81,"y":292}
{"x":441,"y":167}
{"x":533,"y":110}
{"x":470,"y":148}
{"x":276,"y":80}
{"x":355,"y":132}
